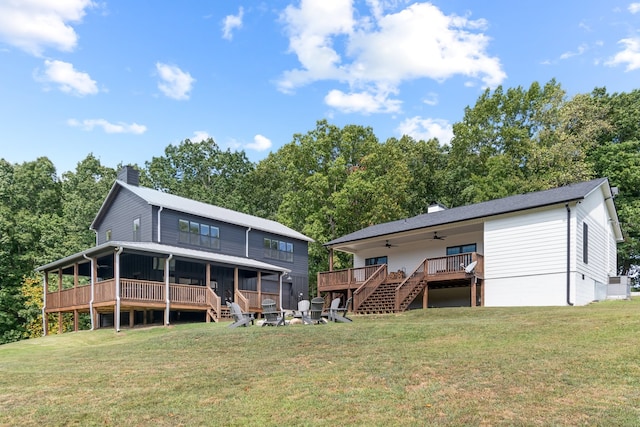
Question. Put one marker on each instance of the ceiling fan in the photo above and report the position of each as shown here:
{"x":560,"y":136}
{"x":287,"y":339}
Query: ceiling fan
{"x":389,"y":245}
{"x":436,"y":237}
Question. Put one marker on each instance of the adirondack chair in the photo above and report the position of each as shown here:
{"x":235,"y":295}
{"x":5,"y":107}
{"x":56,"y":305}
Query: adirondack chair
{"x":315,"y":313}
{"x":337,"y":313}
{"x":303,"y":311}
{"x":272,"y":317}
{"x":239,"y":318}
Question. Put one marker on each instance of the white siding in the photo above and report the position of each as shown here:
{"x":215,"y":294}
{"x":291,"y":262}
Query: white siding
{"x":408,"y":257}
{"x":526,"y":258}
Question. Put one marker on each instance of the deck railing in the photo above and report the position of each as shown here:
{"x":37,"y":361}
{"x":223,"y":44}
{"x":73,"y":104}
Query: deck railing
{"x":255,"y":299}
{"x":409,"y":284}
{"x":369,"y":286}
{"x":449,"y":264}
{"x":350,"y":277}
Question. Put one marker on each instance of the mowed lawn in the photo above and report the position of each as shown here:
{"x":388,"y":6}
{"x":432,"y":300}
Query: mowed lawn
{"x":457,"y":366}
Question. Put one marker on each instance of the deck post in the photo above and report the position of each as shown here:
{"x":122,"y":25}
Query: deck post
{"x":425,"y":296}
{"x":167,"y":262}
{"x":330,"y":259}
{"x":116,"y":314}
{"x":132,"y":313}
{"x":75,"y":320}
{"x":60,"y":320}
{"x":75,"y":282}
{"x":259,"y":286}
{"x":473,"y":291}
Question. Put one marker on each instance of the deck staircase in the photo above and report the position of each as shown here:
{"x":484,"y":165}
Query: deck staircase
{"x":382,"y":300}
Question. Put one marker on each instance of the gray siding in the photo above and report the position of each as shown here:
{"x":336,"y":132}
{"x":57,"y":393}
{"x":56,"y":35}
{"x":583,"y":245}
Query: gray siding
{"x":119,"y":218}
{"x":232,"y":237}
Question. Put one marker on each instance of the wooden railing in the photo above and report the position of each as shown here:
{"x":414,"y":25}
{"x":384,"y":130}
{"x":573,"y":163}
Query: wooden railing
{"x":350,"y":277}
{"x":409,"y":284}
{"x":369,"y":286}
{"x":448,"y":264}
{"x":214,"y":302}
{"x":142,"y":290}
{"x":255,"y":299}
{"x":242,"y":301}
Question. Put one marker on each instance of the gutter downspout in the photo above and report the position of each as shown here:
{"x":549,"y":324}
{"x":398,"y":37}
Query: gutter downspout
{"x":280,"y":280}
{"x":166,"y":289}
{"x":159,"y":228}
{"x":92,"y":289}
{"x":44,"y":303}
{"x":117,"y":271}
{"x":568,"y":254}
{"x":246,"y":243}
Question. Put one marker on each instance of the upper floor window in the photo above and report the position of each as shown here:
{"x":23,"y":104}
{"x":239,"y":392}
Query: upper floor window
{"x":107,"y":235}
{"x":198,"y":234}
{"x":462,"y":249}
{"x":278,"y":249}
{"x":136,"y":230}
{"x":585,"y":243}
{"x":376,"y":260}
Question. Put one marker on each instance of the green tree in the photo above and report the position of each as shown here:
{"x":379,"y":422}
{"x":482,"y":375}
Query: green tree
{"x":200,"y":171}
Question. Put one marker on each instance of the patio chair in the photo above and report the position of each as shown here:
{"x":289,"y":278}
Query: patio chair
{"x":303,"y":312}
{"x":337,"y":313}
{"x":272,"y":317}
{"x":239,"y":318}
{"x":315,"y":313}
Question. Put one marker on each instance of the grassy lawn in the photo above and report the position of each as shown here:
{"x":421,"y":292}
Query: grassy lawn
{"x":482,"y":366}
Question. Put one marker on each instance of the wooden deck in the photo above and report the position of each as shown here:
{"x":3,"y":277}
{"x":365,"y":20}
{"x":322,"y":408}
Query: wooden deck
{"x":374,"y":289}
{"x":149,"y":295}
{"x":435,"y":270}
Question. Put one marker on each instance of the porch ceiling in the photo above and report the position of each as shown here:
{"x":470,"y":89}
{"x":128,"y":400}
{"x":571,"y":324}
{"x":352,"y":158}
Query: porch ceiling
{"x":408,"y":237}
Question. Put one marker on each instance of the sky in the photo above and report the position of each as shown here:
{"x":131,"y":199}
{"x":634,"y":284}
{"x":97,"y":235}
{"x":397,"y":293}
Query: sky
{"x":123,"y":79}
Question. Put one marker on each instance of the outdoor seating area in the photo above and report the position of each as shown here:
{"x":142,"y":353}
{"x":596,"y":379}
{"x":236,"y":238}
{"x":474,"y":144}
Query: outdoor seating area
{"x":312,"y":312}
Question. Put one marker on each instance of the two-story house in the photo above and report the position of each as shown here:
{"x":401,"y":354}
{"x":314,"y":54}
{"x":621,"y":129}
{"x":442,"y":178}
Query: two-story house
{"x":163,"y":257}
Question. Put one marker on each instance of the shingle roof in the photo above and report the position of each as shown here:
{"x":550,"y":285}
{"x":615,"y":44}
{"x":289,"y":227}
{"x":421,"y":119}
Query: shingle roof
{"x":205,"y":210}
{"x":505,"y":205}
{"x":158,"y":248}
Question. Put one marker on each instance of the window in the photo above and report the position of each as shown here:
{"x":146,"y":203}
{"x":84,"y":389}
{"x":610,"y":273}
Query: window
{"x":136,"y":230}
{"x":376,"y":260}
{"x":462,"y":249}
{"x":585,"y":243}
{"x":198,"y":234}
{"x":107,"y":235}
{"x":277,"y":249}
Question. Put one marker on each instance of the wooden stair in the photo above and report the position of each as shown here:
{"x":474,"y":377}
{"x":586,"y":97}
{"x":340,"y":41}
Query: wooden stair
{"x":382,"y":300}
{"x":412,"y":295}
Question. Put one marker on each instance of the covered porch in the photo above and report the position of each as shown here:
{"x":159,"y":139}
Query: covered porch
{"x":142,"y":283}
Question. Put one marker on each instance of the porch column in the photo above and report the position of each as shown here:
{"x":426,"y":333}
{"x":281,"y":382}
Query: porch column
{"x":60,"y":287}
{"x":167,"y":312}
{"x":235,"y":281}
{"x":259,"y":286}
{"x":473,"y":291}
{"x":116,"y":263}
{"x":75,"y":283}
{"x":45,"y":316}
{"x":330,"y":259}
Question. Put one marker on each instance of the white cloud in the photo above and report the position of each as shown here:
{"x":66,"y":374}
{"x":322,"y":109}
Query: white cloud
{"x":634,"y":8}
{"x":35,"y":24}
{"x":426,"y":128}
{"x":362,"y":102}
{"x":260,"y":143}
{"x":200,"y":135}
{"x":630,"y":55}
{"x":68,"y":79}
{"x":431,"y":99}
{"x":174,"y":82}
{"x":581,"y":49}
{"x":108,"y":127}
{"x":376,"y":53}
{"x":230,"y":23}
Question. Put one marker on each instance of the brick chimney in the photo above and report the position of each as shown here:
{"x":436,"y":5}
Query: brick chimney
{"x":129,"y":175}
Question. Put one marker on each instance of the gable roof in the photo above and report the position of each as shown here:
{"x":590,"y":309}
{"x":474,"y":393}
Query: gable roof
{"x":505,"y":205}
{"x":194,"y":207}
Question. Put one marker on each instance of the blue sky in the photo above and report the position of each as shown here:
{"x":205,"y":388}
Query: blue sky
{"x":124,"y":79}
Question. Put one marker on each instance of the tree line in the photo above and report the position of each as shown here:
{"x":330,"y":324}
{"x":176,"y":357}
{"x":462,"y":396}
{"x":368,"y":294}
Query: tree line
{"x":331,"y":181}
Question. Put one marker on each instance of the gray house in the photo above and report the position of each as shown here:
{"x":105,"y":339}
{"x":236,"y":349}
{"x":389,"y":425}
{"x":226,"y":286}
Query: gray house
{"x":163,"y":257}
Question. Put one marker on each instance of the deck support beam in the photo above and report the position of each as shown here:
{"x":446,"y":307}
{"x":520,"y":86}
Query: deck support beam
{"x":473,"y":291}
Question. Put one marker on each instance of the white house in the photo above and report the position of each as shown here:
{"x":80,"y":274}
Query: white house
{"x":547,"y":248}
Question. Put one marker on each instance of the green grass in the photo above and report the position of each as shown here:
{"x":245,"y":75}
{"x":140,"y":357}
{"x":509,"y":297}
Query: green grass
{"x":482,"y":366}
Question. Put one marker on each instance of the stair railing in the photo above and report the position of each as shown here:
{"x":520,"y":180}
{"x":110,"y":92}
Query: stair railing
{"x":369,"y":286}
{"x":215,"y":304}
{"x":408,"y":285}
